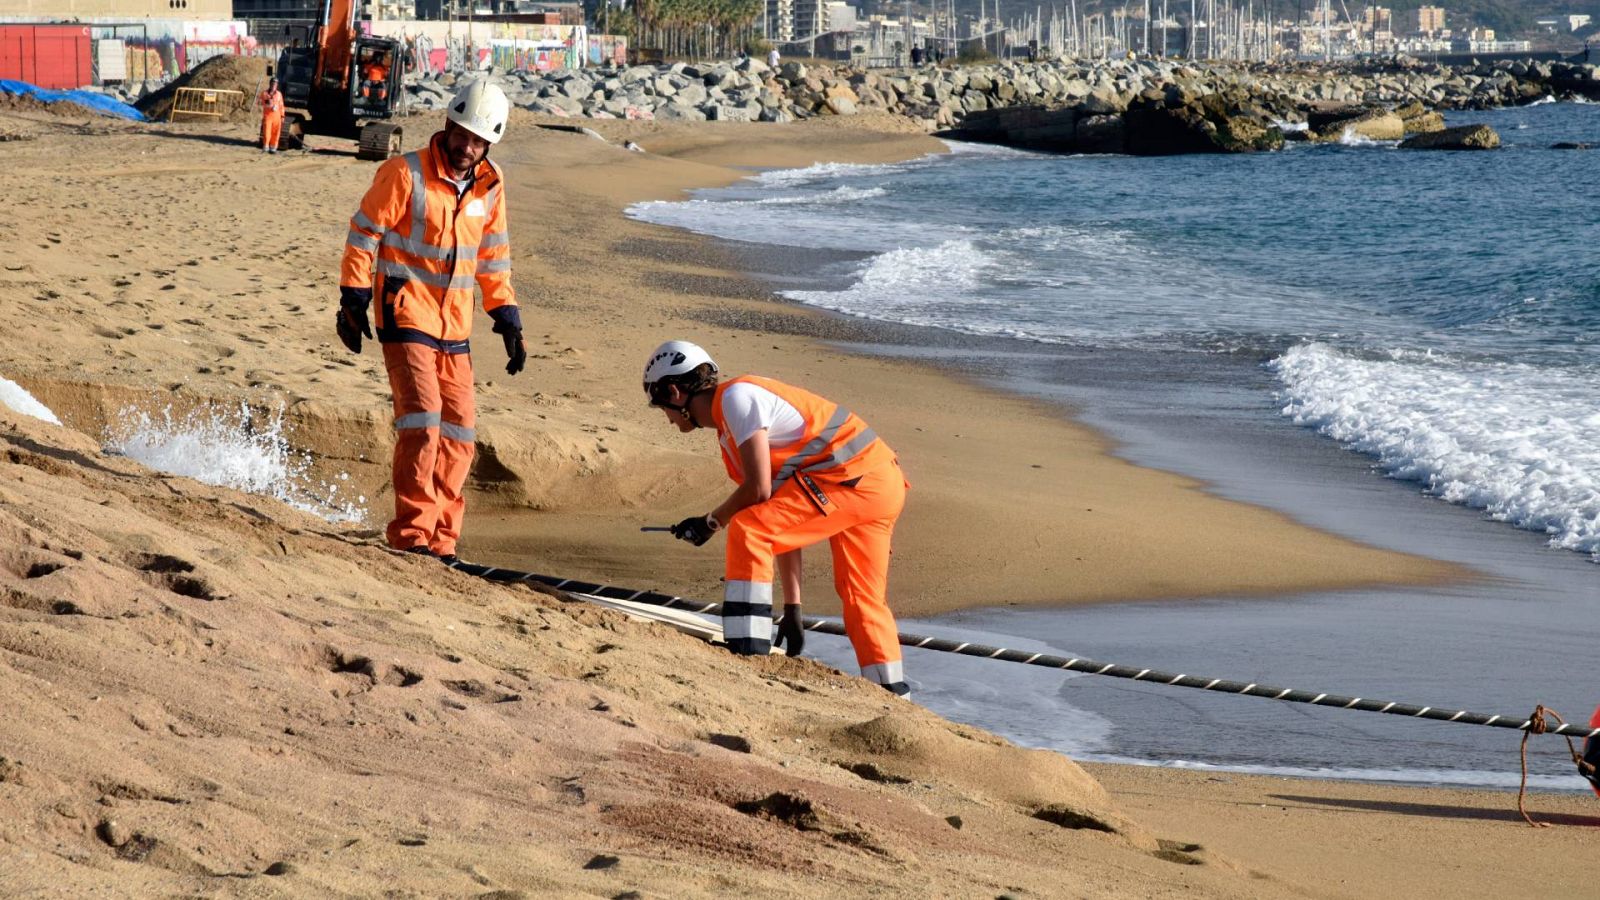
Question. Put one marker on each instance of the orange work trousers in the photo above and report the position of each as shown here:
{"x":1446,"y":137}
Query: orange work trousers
{"x":271,"y":127}
{"x":858,"y":526}
{"x":434,"y":420}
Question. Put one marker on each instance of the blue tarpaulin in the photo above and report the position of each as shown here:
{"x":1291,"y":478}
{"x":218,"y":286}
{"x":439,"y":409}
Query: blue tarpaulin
{"x":97,"y":102}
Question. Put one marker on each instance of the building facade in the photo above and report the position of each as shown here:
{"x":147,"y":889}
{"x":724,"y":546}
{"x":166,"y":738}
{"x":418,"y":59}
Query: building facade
{"x":1424,"y":20}
{"x":105,"y":10}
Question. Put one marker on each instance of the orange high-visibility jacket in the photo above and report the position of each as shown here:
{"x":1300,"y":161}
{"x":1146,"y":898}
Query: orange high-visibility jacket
{"x":271,"y":104}
{"x":836,"y":446}
{"x":429,"y":247}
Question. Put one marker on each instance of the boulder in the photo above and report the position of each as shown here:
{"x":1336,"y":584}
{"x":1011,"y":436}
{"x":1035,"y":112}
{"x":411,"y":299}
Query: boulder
{"x":1426,"y":122}
{"x":693,"y":94}
{"x":728,"y":114}
{"x":1100,"y":134}
{"x":683,"y":112}
{"x":841,"y":106}
{"x":1372,"y":123}
{"x":1463,"y":137}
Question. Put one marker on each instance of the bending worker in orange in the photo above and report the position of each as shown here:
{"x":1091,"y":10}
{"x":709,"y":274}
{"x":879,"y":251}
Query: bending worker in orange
{"x":807,"y":470}
{"x":271,"y":102}
{"x":433,"y":225}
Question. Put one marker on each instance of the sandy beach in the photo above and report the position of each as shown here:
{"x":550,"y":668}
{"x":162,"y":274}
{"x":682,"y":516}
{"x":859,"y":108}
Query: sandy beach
{"x":215,"y":693}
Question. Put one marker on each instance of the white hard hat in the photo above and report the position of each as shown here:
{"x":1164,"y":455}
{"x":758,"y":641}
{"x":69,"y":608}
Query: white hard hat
{"x":481,"y":108}
{"x":675,"y":358}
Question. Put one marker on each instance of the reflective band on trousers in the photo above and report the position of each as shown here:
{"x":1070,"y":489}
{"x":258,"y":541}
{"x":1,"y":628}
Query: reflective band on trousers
{"x":884,"y":673}
{"x":801,"y":461}
{"x":457,"y":432}
{"x":747,"y":610}
{"x":417,"y":420}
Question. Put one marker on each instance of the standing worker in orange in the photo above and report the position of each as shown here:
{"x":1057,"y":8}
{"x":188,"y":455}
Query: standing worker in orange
{"x":271,"y":101}
{"x":807,"y":470}
{"x":433,"y":225}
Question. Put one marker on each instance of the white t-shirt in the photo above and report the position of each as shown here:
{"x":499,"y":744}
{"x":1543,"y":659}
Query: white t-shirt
{"x":748,"y":408}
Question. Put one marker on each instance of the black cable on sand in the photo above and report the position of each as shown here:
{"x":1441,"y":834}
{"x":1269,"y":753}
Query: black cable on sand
{"x":1073,"y":664}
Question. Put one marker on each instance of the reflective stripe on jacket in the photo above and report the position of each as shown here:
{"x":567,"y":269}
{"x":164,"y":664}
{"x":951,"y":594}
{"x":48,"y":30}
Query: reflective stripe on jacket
{"x":429,"y":247}
{"x":836,"y":446}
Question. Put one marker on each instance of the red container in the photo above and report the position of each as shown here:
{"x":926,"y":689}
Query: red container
{"x":50,"y":56}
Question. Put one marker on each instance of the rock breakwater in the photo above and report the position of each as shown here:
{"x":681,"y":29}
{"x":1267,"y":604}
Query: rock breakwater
{"x":1150,"y":105}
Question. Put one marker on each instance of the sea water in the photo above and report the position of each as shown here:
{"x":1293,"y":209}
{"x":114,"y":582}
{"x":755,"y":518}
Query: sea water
{"x":234,"y":446}
{"x":1277,"y":324}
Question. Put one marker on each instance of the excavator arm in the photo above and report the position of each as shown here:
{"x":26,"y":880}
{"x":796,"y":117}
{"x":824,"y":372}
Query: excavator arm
{"x":334,"y":38}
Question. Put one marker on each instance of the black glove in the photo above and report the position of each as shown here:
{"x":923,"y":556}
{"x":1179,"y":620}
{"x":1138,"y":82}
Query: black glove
{"x":508,"y":324}
{"x":791,"y":630}
{"x":352,"y":321}
{"x":695,"y":529}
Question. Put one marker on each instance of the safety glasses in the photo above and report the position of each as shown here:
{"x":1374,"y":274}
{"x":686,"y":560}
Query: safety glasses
{"x":659,"y":394}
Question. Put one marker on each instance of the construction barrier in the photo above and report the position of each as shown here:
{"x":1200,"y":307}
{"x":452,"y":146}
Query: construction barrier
{"x":204,"y":102}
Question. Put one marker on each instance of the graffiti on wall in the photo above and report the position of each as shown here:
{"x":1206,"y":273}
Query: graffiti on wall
{"x":530,"y":48}
{"x":161,"y":49}
{"x":455,"y":46}
{"x":203,"y":40}
{"x":608,"y":48}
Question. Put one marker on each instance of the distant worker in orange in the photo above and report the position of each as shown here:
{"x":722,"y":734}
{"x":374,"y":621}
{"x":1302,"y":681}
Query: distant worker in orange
{"x":374,"y":78}
{"x":271,"y":102}
{"x":806,"y":470}
{"x":433,"y":225}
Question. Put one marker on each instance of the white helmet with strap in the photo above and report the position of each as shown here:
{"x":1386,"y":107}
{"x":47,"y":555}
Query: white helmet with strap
{"x":481,"y":108}
{"x":673,"y":360}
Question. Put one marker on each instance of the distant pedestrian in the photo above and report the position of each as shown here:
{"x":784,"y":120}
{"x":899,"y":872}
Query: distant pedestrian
{"x":773,"y":58}
{"x":271,"y":101}
{"x":916,"y":56}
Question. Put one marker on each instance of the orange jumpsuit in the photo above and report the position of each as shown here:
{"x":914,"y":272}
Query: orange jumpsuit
{"x":429,"y":247}
{"x":271,"y":100}
{"x":838,"y":482}
{"x":373,"y":77}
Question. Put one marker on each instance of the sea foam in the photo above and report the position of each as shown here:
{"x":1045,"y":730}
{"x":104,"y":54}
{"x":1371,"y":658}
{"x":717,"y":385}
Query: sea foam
{"x":1519,"y":442}
{"x":232,"y":447}
{"x":15,"y":397}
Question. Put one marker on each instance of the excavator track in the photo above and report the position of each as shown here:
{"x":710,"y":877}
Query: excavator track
{"x":379,"y":141}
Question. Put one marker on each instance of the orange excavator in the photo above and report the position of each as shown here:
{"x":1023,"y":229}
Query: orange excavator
{"x":342,"y":83}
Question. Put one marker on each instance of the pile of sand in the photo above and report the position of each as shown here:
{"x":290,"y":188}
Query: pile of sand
{"x":30,"y":104}
{"x":245,"y":74}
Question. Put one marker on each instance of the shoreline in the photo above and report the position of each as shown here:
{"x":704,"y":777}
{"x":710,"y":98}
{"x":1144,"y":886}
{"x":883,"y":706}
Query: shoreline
{"x":192,"y":720}
{"x":1044,"y":450}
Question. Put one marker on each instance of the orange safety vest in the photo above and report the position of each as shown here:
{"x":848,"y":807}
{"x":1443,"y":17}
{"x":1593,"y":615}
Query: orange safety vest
{"x":836,"y":446}
{"x":429,"y":247}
